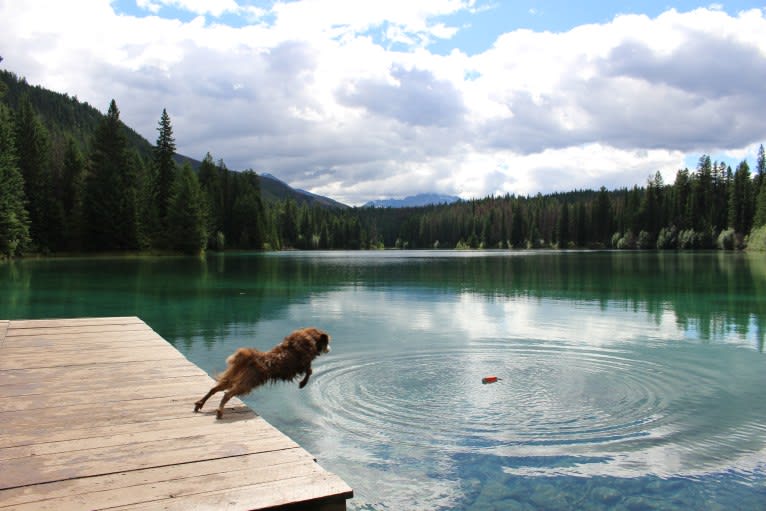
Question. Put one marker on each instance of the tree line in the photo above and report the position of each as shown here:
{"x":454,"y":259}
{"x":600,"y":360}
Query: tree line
{"x":60,"y":195}
{"x":712,"y":206}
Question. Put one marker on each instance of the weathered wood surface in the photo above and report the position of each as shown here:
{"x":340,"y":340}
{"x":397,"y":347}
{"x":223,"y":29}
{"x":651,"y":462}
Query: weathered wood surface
{"x":96,"y":413}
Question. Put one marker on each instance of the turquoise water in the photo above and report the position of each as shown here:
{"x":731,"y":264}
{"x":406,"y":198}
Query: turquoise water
{"x":627,"y":380}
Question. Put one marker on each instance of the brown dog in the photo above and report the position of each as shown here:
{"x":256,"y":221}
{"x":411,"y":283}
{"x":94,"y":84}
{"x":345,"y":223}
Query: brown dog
{"x":249,"y":368}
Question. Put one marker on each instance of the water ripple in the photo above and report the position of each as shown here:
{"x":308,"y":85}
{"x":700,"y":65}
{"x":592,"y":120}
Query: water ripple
{"x":625,"y":410}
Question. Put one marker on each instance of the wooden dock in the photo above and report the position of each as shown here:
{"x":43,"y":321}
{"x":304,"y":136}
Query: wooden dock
{"x":97,"y":413}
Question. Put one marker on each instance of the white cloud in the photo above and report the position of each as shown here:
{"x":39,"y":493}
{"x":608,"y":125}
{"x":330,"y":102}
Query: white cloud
{"x":202,"y":7}
{"x":149,"y":5}
{"x":313,"y":92}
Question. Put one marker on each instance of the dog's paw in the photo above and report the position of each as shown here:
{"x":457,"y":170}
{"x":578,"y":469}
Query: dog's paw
{"x":218,"y":414}
{"x":302,"y":384}
{"x":197,"y":406}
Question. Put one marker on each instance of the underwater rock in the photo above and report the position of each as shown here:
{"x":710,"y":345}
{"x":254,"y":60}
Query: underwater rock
{"x":636,"y":503}
{"x":605,"y":495}
{"x":549,"y":497}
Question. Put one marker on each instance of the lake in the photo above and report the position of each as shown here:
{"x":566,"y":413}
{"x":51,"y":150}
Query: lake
{"x":627,"y":380}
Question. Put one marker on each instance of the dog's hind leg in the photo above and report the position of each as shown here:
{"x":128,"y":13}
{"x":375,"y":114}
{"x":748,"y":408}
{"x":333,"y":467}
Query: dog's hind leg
{"x":225,"y":399}
{"x":199,"y":404}
{"x":305,"y":379}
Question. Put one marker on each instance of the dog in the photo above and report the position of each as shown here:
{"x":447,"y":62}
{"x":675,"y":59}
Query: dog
{"x":248,"y":368}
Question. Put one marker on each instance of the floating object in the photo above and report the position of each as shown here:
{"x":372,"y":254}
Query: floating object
{"x":489,"y":379}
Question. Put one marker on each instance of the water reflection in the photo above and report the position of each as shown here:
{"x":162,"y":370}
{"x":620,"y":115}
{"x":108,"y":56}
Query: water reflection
{"x":583,"y":394}
{"x":628,"y":379}
{"x":712,"y":296}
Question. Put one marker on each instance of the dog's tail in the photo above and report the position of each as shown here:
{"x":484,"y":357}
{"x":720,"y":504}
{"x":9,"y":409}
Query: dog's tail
{"x":234,"y":360}
{"x":237,"y":357}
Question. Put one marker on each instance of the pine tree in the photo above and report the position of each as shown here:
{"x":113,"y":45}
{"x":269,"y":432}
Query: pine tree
{"x":517,"y":227}
{"x":110,"y":188}
{"x":33,"y":150}
{"x":288,"y":224}
{"x":760,"y":170}
{"x":681,"y":194}
{"x":740,"y":200}
{"x":147,"y":220}
{"x":720,"y":195}
{"x":211,"y":181}
{"x":14,"y":219}
{"x":702,"y":195}
{"x":581,"y":225}
{"x":165,"y":167}
{"x":760,"y":204}
{"x":186,"y":218}
{"x":247,"y":212}
{"x":563,"y":226}
{"x":601,"y":222}
{"x":72,"y":191}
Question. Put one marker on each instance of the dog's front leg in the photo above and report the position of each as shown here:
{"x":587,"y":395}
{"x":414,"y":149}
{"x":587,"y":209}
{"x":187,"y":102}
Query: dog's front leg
{"x":305,"y":379}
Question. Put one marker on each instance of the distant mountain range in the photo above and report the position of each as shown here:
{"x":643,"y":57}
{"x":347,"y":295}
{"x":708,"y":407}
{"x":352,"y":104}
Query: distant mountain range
{"x":413,"y":201}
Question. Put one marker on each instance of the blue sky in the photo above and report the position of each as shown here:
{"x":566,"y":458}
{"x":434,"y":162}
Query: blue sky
{"x":487,"y":19}
{"x":496,"y":17}
{"x":366,"y":100}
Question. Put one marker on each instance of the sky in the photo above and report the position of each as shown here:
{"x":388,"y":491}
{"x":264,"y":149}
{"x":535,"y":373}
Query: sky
{"x":360,"y":100}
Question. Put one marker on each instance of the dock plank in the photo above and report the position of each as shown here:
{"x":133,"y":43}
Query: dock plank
{"x":37,"y":433}
{"x":47,"y":468}
{"x":163,"y":430}
{"x":181,"y":486}
{"x":97,"y":413}
{"x":70,"y":379}
{"x":276,"y":493}
{"x":128,"y":482}
{"x":3,"y":330}
{"x":20,"y":324}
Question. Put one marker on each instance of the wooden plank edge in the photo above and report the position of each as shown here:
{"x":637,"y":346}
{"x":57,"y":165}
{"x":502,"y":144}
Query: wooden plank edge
{"x":67,"y":339}
{"x":60,"y":467}
{"x":68,"y":433}
{"x":189,"y":429}
{"x":144,"y":486}
{"x":150,"y":476}
{"x":296,"y":490}
{"x":83,"y":321}
{"x":3,"y":329}
{"x":66,"y":391}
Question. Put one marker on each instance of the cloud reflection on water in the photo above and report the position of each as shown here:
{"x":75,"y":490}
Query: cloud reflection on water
{"x":566,"y":360}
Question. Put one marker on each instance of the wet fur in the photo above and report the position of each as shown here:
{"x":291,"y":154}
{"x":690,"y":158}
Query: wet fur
{"x":249,"y":368}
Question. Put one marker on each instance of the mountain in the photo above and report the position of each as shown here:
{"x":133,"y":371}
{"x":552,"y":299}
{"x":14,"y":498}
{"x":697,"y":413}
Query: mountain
{"x":413,"y":201}
{"x":274,"y":189}
{"x":65,"y":115}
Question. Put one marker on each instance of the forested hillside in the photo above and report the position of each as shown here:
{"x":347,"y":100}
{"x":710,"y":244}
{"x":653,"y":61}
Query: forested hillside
{"x":74,"y":180}
{"x":709,"y":207}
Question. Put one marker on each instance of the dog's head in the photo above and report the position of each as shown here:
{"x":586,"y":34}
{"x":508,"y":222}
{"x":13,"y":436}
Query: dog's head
{"x":322,"y":341}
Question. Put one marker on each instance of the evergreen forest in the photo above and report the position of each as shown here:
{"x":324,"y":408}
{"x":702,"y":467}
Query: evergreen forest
{"x":73,"y":180}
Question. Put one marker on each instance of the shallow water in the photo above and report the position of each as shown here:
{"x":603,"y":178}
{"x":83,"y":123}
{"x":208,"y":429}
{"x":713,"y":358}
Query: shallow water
{"x":627,"y":380}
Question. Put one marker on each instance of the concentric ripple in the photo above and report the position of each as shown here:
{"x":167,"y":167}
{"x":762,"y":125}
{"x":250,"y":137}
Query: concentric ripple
{"x":619,"y":407}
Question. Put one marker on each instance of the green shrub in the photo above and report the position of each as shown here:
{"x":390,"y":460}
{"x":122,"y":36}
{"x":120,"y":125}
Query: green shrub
{"x":725,"y":239}
{"x":644,"y":240}
{"x":688,"y":239}
{"x":627,"y":242}
{"x":668,"y":238}
{"x":757,"y":239}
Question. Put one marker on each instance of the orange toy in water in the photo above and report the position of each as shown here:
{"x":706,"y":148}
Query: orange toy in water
{"x":489,"y":379}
